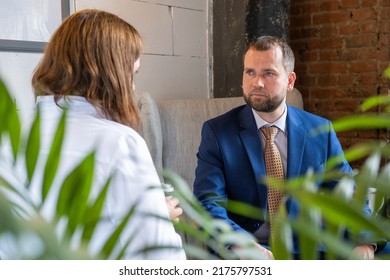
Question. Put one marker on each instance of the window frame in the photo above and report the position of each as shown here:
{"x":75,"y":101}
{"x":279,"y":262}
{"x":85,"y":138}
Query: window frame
{"x":32,"y":46}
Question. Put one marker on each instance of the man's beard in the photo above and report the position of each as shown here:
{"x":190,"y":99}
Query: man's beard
{"x":266,"y":106}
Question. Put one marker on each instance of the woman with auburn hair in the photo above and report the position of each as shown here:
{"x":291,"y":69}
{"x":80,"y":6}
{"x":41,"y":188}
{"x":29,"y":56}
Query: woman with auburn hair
{"x":88,"y":67}
{"x":93,"y":54}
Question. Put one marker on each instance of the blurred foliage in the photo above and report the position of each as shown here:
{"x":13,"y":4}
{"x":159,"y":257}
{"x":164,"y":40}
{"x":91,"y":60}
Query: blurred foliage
{"x":32,"y":237}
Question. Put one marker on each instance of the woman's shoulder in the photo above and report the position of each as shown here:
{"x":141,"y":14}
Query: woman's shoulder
{"x":123,"y":135}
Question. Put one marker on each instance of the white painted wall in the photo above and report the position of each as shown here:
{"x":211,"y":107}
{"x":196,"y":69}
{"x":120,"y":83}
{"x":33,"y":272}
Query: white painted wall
{"x":175,"y":63}
{"x":175,"y":60}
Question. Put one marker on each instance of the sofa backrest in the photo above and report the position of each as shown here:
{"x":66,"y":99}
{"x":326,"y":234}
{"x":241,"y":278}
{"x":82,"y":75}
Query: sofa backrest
{"x":172,"y":128}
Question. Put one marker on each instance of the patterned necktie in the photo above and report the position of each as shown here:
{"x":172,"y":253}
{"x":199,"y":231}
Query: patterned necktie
{"x":274,"y":169}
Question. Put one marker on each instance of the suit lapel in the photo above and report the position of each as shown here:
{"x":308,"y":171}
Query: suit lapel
{"x":296,"y":138}
{"x":252,"y":144}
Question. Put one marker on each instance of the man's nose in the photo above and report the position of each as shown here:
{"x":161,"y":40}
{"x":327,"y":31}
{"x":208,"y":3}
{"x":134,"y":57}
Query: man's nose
{"x":259,"y":81}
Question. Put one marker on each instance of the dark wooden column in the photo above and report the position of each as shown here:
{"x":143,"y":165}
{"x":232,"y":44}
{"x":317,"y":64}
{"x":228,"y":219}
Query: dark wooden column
{"x":236,"y":22}
{"x":267,"y":18}
{"x":228,"y":46}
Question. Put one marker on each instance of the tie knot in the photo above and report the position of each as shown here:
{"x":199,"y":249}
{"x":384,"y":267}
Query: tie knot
{"x":269,"y":132}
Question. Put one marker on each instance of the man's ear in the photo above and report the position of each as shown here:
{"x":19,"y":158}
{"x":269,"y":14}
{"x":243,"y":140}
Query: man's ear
{"x":291,"y":81}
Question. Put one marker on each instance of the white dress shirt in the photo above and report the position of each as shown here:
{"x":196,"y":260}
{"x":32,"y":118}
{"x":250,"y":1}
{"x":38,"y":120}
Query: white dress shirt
{"x":119,"y":149}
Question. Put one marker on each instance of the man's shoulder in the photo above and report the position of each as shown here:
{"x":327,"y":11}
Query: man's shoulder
{"x":305,"y":116}
{"x":230,"y":114}
{"x":229,"y":120}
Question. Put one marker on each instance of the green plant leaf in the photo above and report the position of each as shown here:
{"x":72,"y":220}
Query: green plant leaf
{"x":244,"y":246}
{"x":122,"y":252}
{"x":190,"y":205}
{"x":374,"y":101}
{"x":282,"y":245}
{"x":3,"y":107}
{"x":386,"y":73}
{"x":366,"y":176}
{"x":382,"y":181}
{"x":53,"y":247}
{"x":10,"y":123}
{"x":335,"y":210}
{"x":332,"y":243}
{"x":243,"y":209}
{"x":148,"y":249}
{"x":191,"y":229}
{"x":309,"y":247}
{"x":114,"y":237}
{"x":198,"y":252}
{"x":93,"y":212}
{"x":8,"y":222}
{"x":53,"y":157}
{"x":14,"y":129}
{"x":74,"y":193}
{"x":367,"y":121}
{"x":379,"y":204}
{"x":33,"y":146}
{"x":354,"y":153}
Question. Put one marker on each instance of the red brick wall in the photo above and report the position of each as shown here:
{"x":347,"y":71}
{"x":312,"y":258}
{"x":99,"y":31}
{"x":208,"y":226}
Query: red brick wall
{"x":342,"y":49}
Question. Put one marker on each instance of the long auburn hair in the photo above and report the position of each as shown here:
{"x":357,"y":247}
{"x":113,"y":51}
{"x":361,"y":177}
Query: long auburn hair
{"x":92,"y":54}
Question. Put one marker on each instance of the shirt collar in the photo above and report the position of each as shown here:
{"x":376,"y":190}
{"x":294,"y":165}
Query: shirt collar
{"x":280,"y":122}
{"x":75,"y":105}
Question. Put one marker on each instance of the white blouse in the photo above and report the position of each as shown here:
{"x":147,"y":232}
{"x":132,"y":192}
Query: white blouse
{"x":119,"y":149}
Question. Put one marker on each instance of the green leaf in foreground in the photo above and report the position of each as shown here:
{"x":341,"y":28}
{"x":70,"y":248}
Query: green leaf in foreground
{"x":74,"y":193}
{"x":33,"y":146}
{"x":53,"y":157}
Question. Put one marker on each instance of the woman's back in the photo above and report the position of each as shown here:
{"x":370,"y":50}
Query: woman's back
{"x":121,"y":151}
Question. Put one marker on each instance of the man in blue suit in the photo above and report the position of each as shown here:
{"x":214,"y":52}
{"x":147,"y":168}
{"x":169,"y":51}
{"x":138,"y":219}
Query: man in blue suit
{"x":231,"y":162}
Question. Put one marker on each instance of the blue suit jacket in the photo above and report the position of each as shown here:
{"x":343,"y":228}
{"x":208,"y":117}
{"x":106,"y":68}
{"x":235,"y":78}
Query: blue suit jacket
{"x":231,"y":162}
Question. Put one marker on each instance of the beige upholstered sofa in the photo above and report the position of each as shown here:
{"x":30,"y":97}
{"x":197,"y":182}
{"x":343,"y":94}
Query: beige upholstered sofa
{"x":172,"y":128}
